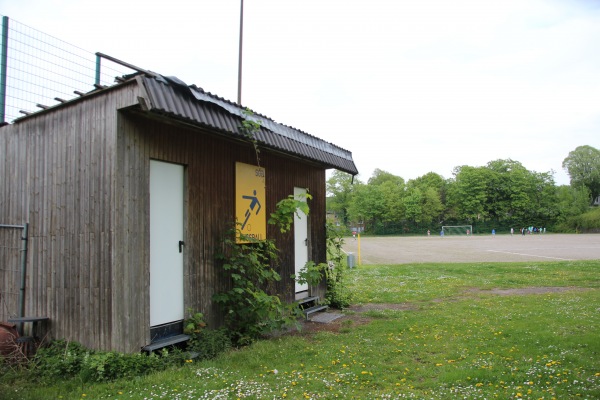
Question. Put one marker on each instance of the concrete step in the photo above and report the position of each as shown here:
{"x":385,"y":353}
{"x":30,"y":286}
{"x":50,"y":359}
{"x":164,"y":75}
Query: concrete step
{"x":314,"y":309}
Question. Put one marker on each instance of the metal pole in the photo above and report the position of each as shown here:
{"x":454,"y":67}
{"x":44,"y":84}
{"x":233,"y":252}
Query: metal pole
{"x":3,"y":64}
{"x":24,"y":238}
{"x":239,"y":96}
{"x":98,"y":65}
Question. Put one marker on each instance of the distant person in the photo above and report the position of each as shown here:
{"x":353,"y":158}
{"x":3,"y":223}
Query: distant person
{"x":512,"y":231}
{"x":442,"y":233}
{"x":493,"y":232}
{"x":468,"y":232}
{"x":428,"y":232}
{"x":354,"y":234}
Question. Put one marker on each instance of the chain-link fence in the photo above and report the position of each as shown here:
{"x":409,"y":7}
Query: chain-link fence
{"x":39,"y":70}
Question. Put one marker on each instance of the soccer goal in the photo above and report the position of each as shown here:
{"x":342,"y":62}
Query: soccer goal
{"x":465,"y":230}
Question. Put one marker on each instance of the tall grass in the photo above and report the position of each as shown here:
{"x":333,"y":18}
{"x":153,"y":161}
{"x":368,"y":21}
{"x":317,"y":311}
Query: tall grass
{"x":458,"y":339}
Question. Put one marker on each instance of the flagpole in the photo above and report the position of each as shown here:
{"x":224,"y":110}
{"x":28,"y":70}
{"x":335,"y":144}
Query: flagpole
{"x":239,"y":94}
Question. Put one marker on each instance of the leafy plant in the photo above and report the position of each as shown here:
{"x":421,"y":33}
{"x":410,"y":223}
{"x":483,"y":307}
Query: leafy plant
{"x":59,"y":359}
{"x":62,"y":360}
{"x":250,"y":128}
{"x":287,"y":208}
{"x":205,"y":343}
{"x":194,"y":323}
{"x":311,"y":273}
{"x":338,"y":294}
{"x":251,"y":307}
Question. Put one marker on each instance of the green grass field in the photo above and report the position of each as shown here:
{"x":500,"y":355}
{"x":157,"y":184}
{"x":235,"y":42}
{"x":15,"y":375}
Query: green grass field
{"x":418,"y":331}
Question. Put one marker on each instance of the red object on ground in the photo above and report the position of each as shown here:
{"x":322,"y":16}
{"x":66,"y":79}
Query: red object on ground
{"x":8,"y":338}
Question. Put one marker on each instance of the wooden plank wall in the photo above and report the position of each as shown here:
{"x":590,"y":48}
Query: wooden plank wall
{"x":79,"y":175}
{"x":10,"y":271}
{"x":210,"y":184}
{"x":60,"y":180}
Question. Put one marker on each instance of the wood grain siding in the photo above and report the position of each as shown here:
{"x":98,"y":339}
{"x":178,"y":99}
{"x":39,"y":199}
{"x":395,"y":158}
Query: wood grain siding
{"x":61,"y":183}
{"x":210,"y":181}
{"x":10,"y":271}
{"x":79,"y":175}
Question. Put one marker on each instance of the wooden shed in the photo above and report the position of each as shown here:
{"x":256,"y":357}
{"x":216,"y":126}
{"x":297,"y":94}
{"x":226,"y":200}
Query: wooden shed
{"x":128,"y":191}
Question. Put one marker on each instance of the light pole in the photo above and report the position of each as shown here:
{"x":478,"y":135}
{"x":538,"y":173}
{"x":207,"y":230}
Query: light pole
{"x":239,"y":94}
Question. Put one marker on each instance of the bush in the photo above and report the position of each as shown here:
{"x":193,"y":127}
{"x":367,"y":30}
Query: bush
{"x":251,"y":306}
{"x":588,"y":222}
{"x":59,"y":359}
{"x":209,"y":343}
{"x":205,"y":343}
{"x":338,"y":295}
{"x":62,"y":360}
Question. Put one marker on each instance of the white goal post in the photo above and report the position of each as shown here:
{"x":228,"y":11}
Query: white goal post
{"x":458,"y":230}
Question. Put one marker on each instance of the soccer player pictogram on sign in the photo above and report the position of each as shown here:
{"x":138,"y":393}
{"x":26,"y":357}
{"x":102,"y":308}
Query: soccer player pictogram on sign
{"x":253,"y":203}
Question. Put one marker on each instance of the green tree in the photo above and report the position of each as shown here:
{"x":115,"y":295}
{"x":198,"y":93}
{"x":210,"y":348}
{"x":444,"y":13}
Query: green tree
{"x":380,"y":177}
{"x":391,"y":189}
{"x":467,"y":193}
{"x":431,"y":206}
{"x":340,"y":191}
{"x":583,"y":167}
{"x":413,"y":205}
{"x":571,"y":201}
{"x":392,"y":194}
{"x":432,"y":188}
{"x":367,"y":205}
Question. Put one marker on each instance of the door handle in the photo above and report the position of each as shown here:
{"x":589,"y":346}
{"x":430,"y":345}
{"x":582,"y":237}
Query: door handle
{"x":181,"y":244}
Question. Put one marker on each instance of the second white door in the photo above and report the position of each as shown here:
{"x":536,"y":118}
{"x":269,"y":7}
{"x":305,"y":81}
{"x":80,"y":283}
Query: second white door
{"x":300,"y":238}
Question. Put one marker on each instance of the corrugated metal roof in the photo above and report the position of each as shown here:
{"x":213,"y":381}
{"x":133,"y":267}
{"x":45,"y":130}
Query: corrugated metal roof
{"x":172,"y":97}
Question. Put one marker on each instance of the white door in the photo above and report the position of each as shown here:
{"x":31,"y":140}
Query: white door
{"x":166,"y":242}
{"x":300,"y":238}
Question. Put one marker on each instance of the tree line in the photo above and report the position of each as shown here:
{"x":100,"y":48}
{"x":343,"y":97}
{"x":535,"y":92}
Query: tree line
{"x":501,"y":195}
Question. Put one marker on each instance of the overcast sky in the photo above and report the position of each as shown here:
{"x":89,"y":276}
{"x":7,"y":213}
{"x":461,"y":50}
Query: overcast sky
{"x":408,"y":87}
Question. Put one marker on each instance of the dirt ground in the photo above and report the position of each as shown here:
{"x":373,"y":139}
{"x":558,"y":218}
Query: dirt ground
{"x":480,"y":248}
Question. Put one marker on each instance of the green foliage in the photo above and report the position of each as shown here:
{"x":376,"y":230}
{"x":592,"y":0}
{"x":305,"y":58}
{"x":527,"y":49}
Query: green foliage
{"x":249,"y":129}
{"x":205,"y":343}
{"x":368,"y":204}
{"x":209,"y":343}
{"x":588,"y":222}
{"x":338,"y":294}
{"x":108,"y":366}
{"x":287,"y":208}
{"x":61,"y":360}
{"x":439,"y":333}
{"x":194,"y":323}
{"x":251,"y":305}
{"x":339,"y":195}
{"x":310,"y":274}
{"x":583,"y":166}
{"x":571,"y":202}
{"x":502,"y":193}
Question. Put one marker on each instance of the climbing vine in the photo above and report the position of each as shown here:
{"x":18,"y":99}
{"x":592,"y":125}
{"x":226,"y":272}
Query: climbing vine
{"x":249,"y":129}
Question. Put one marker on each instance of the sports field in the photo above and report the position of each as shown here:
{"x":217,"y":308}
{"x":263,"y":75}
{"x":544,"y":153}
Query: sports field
{"x":479,"y":248}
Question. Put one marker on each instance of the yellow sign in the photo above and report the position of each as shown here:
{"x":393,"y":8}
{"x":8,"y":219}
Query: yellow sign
{"x":250,"y":210}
